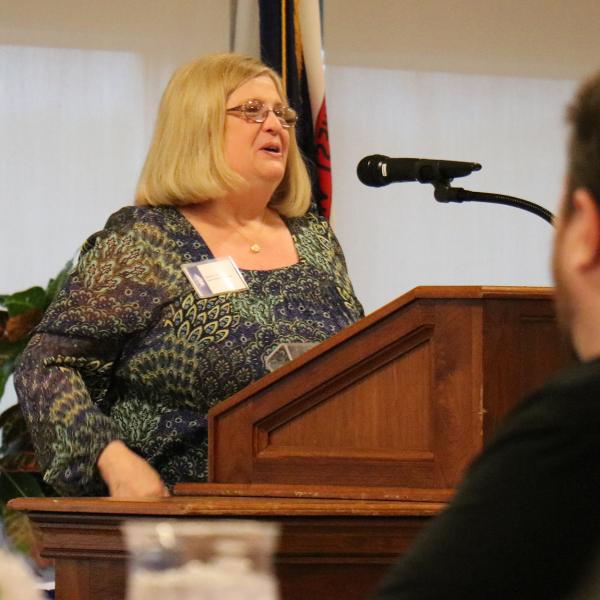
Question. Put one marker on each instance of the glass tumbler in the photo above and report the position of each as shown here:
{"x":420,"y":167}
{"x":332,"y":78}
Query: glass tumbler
{"x":201,"y":560}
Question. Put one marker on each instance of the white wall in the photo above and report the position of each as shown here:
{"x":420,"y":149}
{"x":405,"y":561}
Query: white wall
{"x":80,"y":83}
{"x":79,"y":88}
{"x":470,"y":80}
{"x":398,"y":236}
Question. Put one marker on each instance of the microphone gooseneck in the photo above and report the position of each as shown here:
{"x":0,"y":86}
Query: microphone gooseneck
{"x":445,"y":193}
{"x":378,"y":170}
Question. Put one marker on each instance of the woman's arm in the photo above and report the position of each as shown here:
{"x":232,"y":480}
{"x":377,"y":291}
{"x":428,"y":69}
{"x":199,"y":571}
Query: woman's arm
{"x":66,"y":374}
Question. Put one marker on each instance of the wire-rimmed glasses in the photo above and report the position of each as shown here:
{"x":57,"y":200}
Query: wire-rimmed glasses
{"x":256,"y":111}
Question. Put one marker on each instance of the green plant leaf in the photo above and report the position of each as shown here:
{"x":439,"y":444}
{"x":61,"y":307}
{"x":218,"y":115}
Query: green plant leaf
{"x":19,"y":458}
{"x":20,"y":302}
{"x":17,"y":453}
{"x":11,"y":418}
{"x":15,"y":448}
{"x":19,"y":530}
{"x":9,"y":351}
{"x":56,"y":284}
{"x":17,"y":526}
{"x":6,"y":369}
{"x":19,"y":485}
{"x":15,"y":436}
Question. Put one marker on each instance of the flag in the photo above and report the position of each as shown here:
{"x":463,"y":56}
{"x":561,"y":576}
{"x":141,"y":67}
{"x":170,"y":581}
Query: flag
{"x":290,"y":43}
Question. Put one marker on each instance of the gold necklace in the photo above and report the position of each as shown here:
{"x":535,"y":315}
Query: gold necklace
{"x":254,"y":246}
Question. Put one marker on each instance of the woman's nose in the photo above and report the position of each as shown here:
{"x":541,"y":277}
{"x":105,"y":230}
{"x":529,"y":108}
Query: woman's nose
{"x":272,"y":122}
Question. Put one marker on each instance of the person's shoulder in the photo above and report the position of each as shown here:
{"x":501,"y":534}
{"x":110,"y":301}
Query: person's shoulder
{"x":576,"y":391}
{"x":308,"y":222}
{"x":580,"y":381}
{"x":131,"y":217}
{"x":131,"y":225}
{"x":550,"y":436}
{"x":578,"y":375}
{"x":569,"y":401}
{"x":307,"y":218}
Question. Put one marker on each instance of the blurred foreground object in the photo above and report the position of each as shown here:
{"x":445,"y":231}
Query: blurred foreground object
{"x":16,"y":581}
{"x":195,"y":560}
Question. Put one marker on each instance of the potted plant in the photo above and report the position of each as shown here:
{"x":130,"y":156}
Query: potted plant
{"x":19,"y":475}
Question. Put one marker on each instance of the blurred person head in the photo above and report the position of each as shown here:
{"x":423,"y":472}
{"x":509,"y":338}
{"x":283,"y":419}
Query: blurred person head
{"x":576,"y":261}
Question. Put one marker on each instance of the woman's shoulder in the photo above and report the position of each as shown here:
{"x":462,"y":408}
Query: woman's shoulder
{"x":131,"y":217}
{"x":135,"y":225}
{"x":309,"y":222}
{"x":308,"y":218}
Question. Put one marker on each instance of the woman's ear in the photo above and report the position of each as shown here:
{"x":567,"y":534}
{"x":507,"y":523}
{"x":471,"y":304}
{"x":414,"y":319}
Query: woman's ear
{"x":584,"y":230}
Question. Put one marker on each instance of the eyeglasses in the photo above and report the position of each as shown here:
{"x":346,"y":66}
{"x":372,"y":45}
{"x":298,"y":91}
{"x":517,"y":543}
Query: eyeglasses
{"x":256,"y":111}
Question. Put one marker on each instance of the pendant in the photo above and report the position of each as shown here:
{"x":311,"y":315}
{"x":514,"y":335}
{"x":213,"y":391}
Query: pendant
{"x":255,"y":248}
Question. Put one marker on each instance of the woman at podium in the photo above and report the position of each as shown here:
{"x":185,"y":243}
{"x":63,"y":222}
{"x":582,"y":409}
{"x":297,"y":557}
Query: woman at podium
{"x":177,"y":303}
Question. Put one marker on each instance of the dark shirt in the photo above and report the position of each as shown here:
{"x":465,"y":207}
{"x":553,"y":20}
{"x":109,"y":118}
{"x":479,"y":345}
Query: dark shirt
{"x":525,"y":523}
{"x":129,"y":351}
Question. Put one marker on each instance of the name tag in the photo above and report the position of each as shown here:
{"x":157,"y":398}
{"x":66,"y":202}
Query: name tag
{"x":214,"y":277}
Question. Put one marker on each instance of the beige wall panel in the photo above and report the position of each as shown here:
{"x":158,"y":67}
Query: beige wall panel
{"x":532,"y":38}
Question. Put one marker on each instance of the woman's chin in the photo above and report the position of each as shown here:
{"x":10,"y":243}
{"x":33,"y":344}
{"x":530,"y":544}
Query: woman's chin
{"x":272,"y":173}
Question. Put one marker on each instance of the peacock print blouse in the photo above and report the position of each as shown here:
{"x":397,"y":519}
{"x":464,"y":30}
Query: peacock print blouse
{"x":129,"y":351}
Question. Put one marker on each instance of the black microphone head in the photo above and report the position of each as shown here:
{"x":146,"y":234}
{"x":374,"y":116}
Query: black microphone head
{"x":369,"y":170}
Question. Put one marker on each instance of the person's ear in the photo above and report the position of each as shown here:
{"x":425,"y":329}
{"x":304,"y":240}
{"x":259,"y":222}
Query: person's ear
{"x":584,"y":223}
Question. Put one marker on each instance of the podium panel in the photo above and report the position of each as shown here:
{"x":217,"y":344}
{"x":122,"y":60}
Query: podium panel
{"x":404,"y":398}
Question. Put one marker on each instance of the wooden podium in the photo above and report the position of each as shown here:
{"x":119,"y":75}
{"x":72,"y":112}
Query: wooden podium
{"x":352,"y":446}
{"x":403,"y":399}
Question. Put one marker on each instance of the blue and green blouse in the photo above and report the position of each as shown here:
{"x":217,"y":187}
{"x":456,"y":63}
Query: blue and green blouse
{"x":129,"y":351}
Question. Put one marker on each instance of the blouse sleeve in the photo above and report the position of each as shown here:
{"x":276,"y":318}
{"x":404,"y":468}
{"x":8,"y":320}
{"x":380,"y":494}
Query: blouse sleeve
{"x":64,"y":375}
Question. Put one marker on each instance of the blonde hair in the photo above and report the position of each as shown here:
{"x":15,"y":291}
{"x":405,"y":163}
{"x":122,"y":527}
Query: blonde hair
{"x":186,"y":162}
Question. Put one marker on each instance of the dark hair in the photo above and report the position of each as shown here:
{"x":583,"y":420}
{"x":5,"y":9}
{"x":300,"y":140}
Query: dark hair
{"x":583,"y":114}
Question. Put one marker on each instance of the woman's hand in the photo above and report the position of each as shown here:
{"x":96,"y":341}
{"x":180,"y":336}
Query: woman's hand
{"x":128,"y":475}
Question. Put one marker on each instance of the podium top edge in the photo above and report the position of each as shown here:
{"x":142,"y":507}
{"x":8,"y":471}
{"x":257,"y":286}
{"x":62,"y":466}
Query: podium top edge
{"x":482,"y":291}
{"x":51,"y":509}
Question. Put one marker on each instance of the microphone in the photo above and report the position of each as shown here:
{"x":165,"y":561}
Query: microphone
{"x":378,"y":170}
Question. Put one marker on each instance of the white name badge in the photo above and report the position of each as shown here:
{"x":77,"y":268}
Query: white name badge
{"x":213,"y":277}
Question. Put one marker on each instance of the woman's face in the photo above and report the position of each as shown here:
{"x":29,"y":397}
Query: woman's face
{"x":257,"y":151}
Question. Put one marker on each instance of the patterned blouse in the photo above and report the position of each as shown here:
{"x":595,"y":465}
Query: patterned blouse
{"x":129,"y":351}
